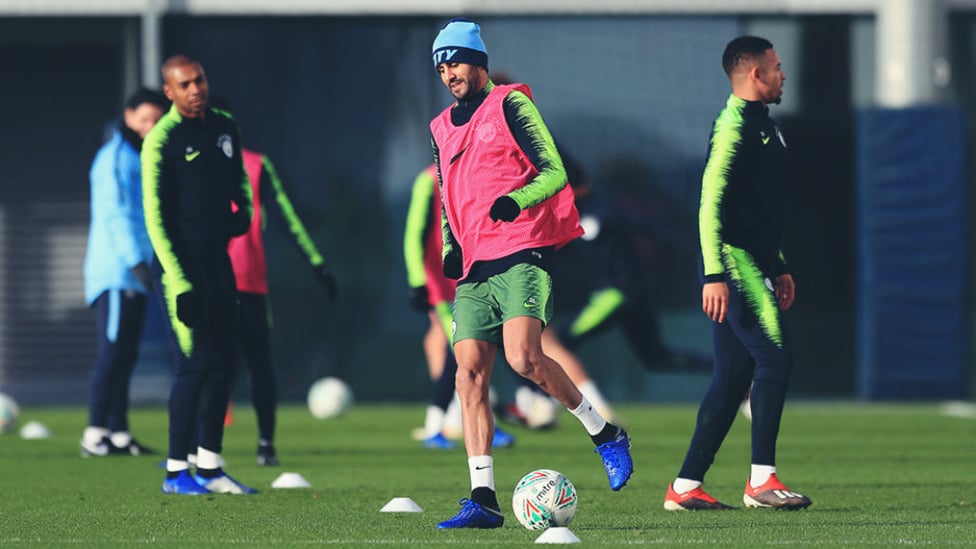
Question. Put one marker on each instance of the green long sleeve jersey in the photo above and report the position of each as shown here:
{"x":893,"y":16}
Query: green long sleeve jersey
{"x":743,"y":196}
{"x":273,"y":189}
{"x":191,"y":172}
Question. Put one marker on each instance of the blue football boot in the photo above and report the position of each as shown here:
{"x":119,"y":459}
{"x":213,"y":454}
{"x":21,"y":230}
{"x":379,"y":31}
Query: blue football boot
{"x":223,"y":484}
{"x":616,"y":460}
{"x":439,"y":442}
{"x":183,"y":485}
{"x":474,"y":515}
{"x":502,"y":439}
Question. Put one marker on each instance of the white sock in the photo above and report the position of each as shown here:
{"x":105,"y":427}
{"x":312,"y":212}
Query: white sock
{"x":592,"y":421}
{"x":207,"y":459}
{"x":94,"y":435}
{"x":682,"y":485}
{"x":593,"y":394}
{"x":433,"y":421}
{"x":482,"y":471}
{"x":452,"y":418}
{"x":174,"y":465}
{"x":121,"y":439}
{"x":760,"y":474}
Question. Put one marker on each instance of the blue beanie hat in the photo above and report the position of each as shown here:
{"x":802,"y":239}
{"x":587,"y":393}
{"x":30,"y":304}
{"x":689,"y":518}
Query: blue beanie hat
{"x":460,"y":42}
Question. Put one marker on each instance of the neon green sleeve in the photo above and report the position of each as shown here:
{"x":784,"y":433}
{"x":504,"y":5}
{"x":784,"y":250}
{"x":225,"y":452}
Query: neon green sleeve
{"x":418,"y":219}
{"x":246,"y":195}
{"x":153,"y":202}
{"x":533,"y":136}
{"x":295,"y":226}
{"x":723,"y":147}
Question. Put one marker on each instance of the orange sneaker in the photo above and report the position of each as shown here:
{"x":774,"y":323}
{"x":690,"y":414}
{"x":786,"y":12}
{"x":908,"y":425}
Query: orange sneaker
{"x":692,"y":500}
{"x":775,"y":495}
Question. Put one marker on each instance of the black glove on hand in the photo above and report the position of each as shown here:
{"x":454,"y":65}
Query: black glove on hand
{"x":419,"y":298}
{"x":141,"y":272}
{"x":453,"y":265}
{"x":327,"y":280}
{"x":504,"y":209}
{"x":186,"y":308}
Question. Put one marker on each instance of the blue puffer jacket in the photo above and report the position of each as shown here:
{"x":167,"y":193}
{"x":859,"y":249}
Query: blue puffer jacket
{"x":117,"y":238}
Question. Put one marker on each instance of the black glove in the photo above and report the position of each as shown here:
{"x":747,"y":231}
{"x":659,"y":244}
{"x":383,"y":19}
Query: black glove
{"x":327,"y":280}
{"x":186,"y":308}
{"x":141,"y":272}
{"x":504,"y":209}
{"x":419,"y":298}
{"x":453,"y":266}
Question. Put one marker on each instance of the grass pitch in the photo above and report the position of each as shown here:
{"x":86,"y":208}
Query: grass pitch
{"x":879,"y":476}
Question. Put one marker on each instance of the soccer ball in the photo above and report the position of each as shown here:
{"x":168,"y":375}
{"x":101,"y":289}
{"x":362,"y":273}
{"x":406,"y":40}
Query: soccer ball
{"x":329,"y":397}
{"x":8,"y":413}
{"x":544,"y":498}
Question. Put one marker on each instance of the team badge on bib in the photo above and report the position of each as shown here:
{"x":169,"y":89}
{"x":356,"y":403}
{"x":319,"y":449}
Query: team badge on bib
{"x":486,"y":132}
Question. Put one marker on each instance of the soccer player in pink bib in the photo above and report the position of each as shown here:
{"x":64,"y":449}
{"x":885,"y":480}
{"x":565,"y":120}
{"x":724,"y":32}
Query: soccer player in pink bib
{"x":506,"y":209}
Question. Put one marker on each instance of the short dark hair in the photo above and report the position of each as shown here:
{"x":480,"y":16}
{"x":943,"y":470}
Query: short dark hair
{"x":742,"y":49}
{"x":146,"y":95}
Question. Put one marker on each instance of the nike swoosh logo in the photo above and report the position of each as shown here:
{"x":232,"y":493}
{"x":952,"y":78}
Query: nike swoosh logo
{"x":190,"y":156}
{"x":482,"y":467}
{"x":765,"y":140}
{"x":458,"y":155}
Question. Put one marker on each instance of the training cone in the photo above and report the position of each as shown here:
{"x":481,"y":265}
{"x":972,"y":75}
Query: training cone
{"x":290,"y":480}
{"x":401,"y":505}
{"x":34,"y":430}
{"x":558,"y":534}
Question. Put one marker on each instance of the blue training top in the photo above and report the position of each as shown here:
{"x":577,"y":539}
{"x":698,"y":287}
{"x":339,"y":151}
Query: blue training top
{"x":117,"y":237}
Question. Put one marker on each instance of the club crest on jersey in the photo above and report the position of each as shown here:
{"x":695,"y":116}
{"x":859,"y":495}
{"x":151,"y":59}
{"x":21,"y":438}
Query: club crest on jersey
{"x":226,"y":144}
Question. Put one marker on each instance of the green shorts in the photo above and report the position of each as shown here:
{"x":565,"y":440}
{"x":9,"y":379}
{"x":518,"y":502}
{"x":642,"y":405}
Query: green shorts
{"x":480,"y":308}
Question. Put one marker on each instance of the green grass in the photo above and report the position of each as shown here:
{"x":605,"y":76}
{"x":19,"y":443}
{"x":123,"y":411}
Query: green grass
{"x":879,"y":475}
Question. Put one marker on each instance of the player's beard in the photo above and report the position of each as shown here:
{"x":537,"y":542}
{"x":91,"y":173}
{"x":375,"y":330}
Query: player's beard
{"x":465,"y":91}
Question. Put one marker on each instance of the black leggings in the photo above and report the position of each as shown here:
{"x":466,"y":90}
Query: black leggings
{"x":255,"y":344}
{"x":745,"y":353}
{"x":206,"y":358}
{"x":119,"y":317}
